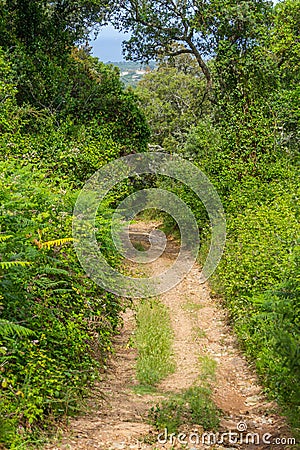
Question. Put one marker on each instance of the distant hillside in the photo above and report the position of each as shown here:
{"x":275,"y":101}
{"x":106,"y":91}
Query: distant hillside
{"x":132,"y":72}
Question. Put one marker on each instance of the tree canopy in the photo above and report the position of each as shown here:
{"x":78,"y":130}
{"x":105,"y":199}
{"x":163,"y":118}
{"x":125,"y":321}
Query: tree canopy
{"x":48,"y":25}
{"x":202,"y":28}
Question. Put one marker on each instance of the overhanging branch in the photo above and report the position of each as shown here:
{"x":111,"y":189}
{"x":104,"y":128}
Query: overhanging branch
{"x":180,"y":52}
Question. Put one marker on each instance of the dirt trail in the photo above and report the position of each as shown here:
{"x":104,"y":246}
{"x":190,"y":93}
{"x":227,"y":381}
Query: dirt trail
{"x":116,"y":416}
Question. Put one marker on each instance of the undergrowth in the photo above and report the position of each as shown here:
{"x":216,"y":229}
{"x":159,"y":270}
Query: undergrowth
{"x":193,"y":406}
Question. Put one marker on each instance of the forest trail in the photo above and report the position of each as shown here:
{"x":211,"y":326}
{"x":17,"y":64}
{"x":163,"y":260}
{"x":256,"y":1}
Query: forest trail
{"x":116,"y":414}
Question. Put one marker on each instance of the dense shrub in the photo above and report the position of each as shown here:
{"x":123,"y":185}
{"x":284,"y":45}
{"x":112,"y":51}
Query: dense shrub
{"x":272,"y":337}
{"x":72,"y":319}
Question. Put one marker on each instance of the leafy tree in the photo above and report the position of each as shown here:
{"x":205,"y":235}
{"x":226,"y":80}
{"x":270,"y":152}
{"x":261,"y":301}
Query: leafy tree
{"x":46,"y":25}
{"x":284,"y":39}
{"x":47,"y":96}
{"x":284,"y":43}
{"x":171,"y":98}
{"x":203,"y":28}
{"x":53,"y":76}
{"x":86,"y":91}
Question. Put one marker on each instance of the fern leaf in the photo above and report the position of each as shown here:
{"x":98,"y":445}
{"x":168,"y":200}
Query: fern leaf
{"x":8,"y":264}
{"x":48,"y":270}
{"x":7,"y":327}
{"x":5,"y":238}
{"x":45,"y":283}
{"x":56,"y":243}
{"x":61,"y":291}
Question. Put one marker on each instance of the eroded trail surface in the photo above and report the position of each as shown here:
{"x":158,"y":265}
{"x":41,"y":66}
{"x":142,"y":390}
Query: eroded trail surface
{"x":116,"y":417}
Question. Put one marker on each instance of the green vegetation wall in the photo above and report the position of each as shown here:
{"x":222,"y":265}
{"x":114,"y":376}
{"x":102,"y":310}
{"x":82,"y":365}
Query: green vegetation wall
{"x":63,"y":114}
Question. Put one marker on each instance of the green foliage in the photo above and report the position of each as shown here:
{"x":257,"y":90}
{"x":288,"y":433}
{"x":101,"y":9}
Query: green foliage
{"x":80,"y":116}
{"x":284,"y":39}
{"x":7,"y":328}
{"x":55,"y":89}
{"x":61,"y":118}
{"x":261,"y":239}
{"x":153,"y":338}
{"x":202,"y":409}
{"x":8,"y":92}
{"x":63,"y":115}
{"x":172,"y":101}
{"x":72,"y":319}
{"x":167,"y":415}
{"x":192,"y":407}
{"x":50,"y":26}
{"x":8,"y":264}
{"x":202,"y":28}
{"x":78,"y":91}
{"x":276,"y":346}
{"x":268,"y":325}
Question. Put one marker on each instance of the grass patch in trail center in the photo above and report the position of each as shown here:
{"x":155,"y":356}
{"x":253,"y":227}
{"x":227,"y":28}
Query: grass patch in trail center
{"x":208,"y":368}
{"x":153,"y":338}
{"x":139,"y":246}
{"x":199,"y":333}
{"x":191,"y":307}
{"x":142,"y":389}
{"x":192,"y":407}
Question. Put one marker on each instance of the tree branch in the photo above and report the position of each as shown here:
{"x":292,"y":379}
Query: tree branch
{"x":180,"y":52}
{"x":200,"y":61}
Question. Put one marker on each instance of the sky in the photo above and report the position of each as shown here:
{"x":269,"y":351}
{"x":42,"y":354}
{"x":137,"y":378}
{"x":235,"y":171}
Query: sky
{"x":108,"y":45}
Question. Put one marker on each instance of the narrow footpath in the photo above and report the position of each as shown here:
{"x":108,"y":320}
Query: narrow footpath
{"x":116,"y":416}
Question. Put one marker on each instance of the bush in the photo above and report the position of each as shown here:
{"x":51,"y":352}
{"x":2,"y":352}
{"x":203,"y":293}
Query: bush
{"x":72,"y":319}
{"x":259,"y":246}
{"x":259,"y":279}
{"x":271,"y":336}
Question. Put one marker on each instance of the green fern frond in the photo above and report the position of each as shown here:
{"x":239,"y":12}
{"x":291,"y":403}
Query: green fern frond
{"x":5,"y":238}
{"x":7,"y":327}
{"x":56,"y":243}
{"x":8,"y":264}
{"x":48,"y":270}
